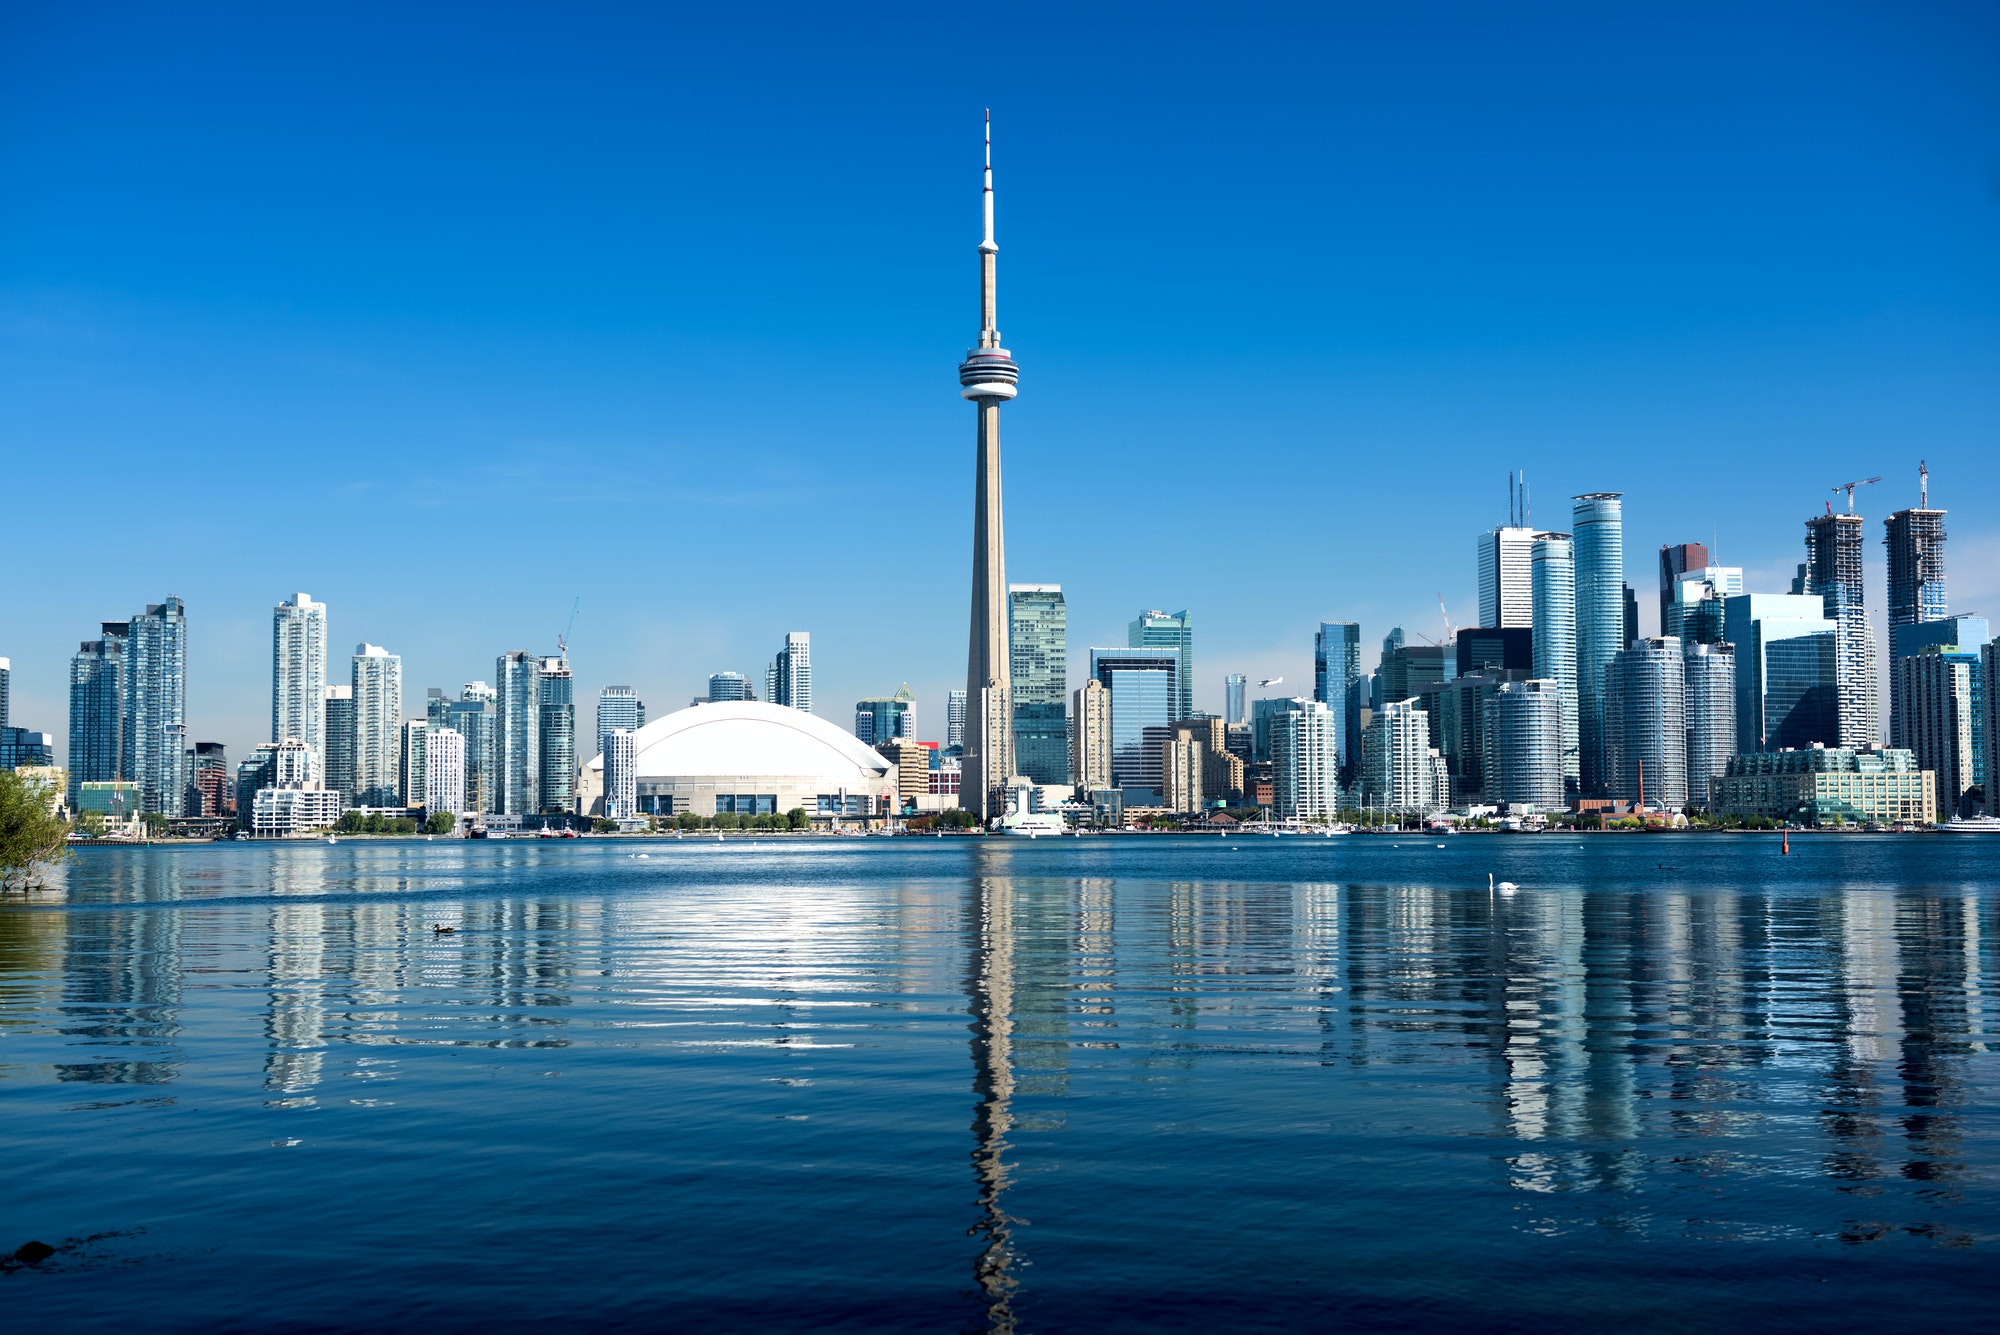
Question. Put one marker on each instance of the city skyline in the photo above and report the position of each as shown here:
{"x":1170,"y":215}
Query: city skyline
{"x":486,"y":416}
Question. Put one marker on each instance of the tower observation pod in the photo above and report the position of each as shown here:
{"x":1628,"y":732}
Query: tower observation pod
{"x":988,"y":377}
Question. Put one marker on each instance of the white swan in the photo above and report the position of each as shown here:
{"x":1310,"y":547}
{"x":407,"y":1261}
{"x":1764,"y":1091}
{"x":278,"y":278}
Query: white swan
{"x":1505,"y":887}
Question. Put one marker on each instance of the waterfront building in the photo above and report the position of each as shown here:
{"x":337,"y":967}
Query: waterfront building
{"x":1407,"y":669}
{"x":413,"y":762}
{"x":788,"y":681}
{"x":1479,"y":647}
{"x":1305,"y":761}
{"x":1822,"y":785}
{"x":475,"y":717}
{"x":1935,"y":687}
{"x":279,"y":812}
{"x":1340,"y":684}
{"x":376,"y":686}
{"x":556,"y":767}
{"x":621,"y":707}
{"x":1038,"y":660}
{"x":1506,"y":582}
{"x":1145,"y":693}
{"x":1090,"y":739}
{"x":1786,"y":670}
{"x":1645,"y":724}
{"x":6,"y":690}
{"x":1521,"y":757}
{"x":155,"y":740}
{"x":1989,"y":717}
{"x":954,"y":722}
{"x":258,"y":771}
{"x":912,"y":761}
{"x":1221,"y":767}
{"x":723,"y":687}
{"x":1709,"y":695}
{"x":1459,"y":725}
{"x":209,"y":788}
{"x":747,"y":758}
{"x":337,"y":740}
{"x":1833,"y":570}
{"x":1236,"y":698}
{"x":1181,"y":772}
{"x":1915,"y":542}
{"x":1402,"y":772}
{"x":116,"y":800}
{"x":1552,"y":578}
{"x":97,"y":710}
{"x":298,"y":670}
{"x":444,"y":773}
{"x":1168,"y":630}
{"x":1677,"y":560}
{"x":886,"y":718}
{"x":1599,"y":525}
{"x":1261,"y":714}
{"x":517,"y":734}
{"x":621,"y":774}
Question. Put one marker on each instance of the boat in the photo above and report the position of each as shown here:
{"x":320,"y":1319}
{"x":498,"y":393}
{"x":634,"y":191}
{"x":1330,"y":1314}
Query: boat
{"x":1971,"y":825}
{"x":1033,"y":824}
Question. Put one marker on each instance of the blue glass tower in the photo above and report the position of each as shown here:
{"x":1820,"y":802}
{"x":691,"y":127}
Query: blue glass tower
{"x":1598,"y":526}
{"x":1038,"y":661}
{"x":1338,"y":683}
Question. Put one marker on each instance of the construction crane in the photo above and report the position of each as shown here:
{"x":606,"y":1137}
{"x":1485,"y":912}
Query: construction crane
{"x":1849,"y":487}
{"x":1449,"y":634}
{"x":562,"y":640}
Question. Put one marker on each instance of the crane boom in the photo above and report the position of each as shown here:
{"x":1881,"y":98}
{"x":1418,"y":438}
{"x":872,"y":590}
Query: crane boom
{"x":1849,"y":487}
{"x":1449,"y":634}
{"x":562,"y":640}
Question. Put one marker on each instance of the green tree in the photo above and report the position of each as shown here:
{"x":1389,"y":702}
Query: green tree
{"x":402,"y":825}
{"x":155,"y":822}
{"x":91,"y":824}
{"x":440,"y":822}
{"x":602,"y":826}
{"x":33,"y":837}
{"x":351,"y":822}
{"x":796,"y":818}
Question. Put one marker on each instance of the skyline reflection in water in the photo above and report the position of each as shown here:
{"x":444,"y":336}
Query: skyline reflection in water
{"x":980,"y":1084}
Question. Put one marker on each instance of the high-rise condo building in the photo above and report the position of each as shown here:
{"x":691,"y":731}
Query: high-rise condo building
{"x":209,"y":789}
{"x":954,"y":721}
{"x":727,"y":686}
{"x":1786,"y":679}
{"x":1168,"y":630}
{"x":1401,"y":771}
{"x":1339,"y":684}
{"x":1676,"y":561}
{"x":517,"y":734}
{"x":1965,"y":634}
{"x":1506,"y":589}
{"x":1989,"y":718}
{"x":1645,"y":724}
{"x":1915,"y":541}
{"x":377,"y":687}
{"x":1709,"y":696}
{"x":6,"y":689}
{"x":988,"y":377}
{"x":97,"y":710}
{"x":1090,"y":740}
{"x":621,"y":774}
{"x":336,"y":749}
{"x":155,"y":741}
{"x":1145,"y":693}
{"x":1936,"y":690}
{"x":789,"y":679}
{"x":887,"y":718}
{"x":1693,"y":610}
{"x":1305,"y":762}
{"x":1552,"y":577}
{"x":474,"y":716}
{"x":621,"y":707}
{"x":1522,"y":755}
{"x":1834,"y":572}
{"x":413,"y":762}
{"x":1235,"y":698}
{"x":444,"y":774}
{"x":1038,"y":661}
{"x":1458,"y":712}
{"x":298,"y":670}
{"x":556,"y":738}
{"x":1511,"y":648}
{"x":1598,"y":523}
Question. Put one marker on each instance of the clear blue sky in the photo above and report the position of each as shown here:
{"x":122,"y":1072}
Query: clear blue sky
{"x":448,"y":318}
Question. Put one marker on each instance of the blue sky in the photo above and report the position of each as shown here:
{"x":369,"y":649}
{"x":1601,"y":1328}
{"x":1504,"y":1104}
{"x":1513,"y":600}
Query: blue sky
{"x":450,"y":318}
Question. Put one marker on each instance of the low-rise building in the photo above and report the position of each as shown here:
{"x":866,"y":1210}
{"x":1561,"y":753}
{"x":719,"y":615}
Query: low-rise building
{"x":1824,"y":785}
{"x":295,"y":809}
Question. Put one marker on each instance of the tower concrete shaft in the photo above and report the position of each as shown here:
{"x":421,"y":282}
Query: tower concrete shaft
{"x":987,"y":376}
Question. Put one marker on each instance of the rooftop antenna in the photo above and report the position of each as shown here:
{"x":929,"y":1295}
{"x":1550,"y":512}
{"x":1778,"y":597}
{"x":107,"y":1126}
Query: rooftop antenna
{"x":1511,"y":508}
{"x":562,"y":640}
{"x":1924,"y":485}
{"x":1526,"y":522}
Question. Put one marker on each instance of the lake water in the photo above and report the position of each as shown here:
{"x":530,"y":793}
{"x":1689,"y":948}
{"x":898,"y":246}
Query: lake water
{"x":1670,"y":1083}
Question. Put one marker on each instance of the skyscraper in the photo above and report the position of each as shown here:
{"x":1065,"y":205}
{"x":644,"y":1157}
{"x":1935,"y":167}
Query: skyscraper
{"x":888,"y":717}
{"x":413,"y":762}
{"x":6,"y":688}
{"x":1552,"y":576}
{"x":155,"y":740}
{"x":988,"y":377}
{"x":444,"y":773}
{"x":1834,"y":571}
{"x":475,"y":717}
{"x":1305,"y":762}
{"x":1168,"y":630}
{"x":1785,"y":671}
{"x":1090,"y":741}
{"x":1936,"y":688}
{"x":1676,"y":561}
{"x":621,"y":774}
{"x":1709,"y":696}
{"x":97,"y":709}
{"x":954,"y":721}
{"x":726,"y":686}
{"x":209,"y":789}
{"x":621,"y":707}
{"x":1506,"y":592}
{"x":377,"y":682}
{"x":1521,"y":760}
{"x":1402,"y":771}
{"x":517,"y":734}
{"x":1038,"y":661}
{"x":789,"y":680}
{"x":298,"y":670}
{"x":1598,"y":522}
{"x":1144,"y":694}
{"x":1915,"y":540}
{"x":1338,"y":682}
{"x":556,"y":738}
{"x":1235,"y":698}
{"x":336,"y":749}
{"x":1694,"y":612}
{"x":1645,"y":724}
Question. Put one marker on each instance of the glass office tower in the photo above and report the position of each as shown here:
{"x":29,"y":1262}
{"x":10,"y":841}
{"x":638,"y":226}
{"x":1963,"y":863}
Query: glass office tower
{"x":556,"y":739}
{"x":473,"y":716}
{"x":1598,"y":523}
{"x":1169,"y":630}
{"x":1833,"y":570}
{"x":621,"y":707}
{"x":1038,"y":661}
{"x":1235,"y":698}
{"x":1145,"y":694}
{"x":97,"y":710}
{"x":1784,"y":690}
{"x":517,"y":740}
{"x":155,"y":741}
{"x":1338,"y":683}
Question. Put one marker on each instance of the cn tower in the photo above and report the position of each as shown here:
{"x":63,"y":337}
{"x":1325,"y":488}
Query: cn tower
{"x":987,"y":377}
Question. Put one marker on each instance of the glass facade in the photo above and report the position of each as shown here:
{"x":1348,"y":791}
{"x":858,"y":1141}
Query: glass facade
{"x":337,"y":740}
{"x":1522,"y":756}
{"x":1785,"y":698}
{"x":1505,"y":583}
{"x":954,"y":721}
{"x":1801,"y":696}
{"x":1038,"y":659}
{"x":1645,"y":724}
{"x":722,"y":687}
{"x":788,"y":681}
{"x":1305,"y":762}
{"x":155,"y":741}
{"x":1144,"y":685}
{"x":1235,"y":698}
{"x":1833,"y":570}
{"x":517,"y":728}
{"x":556,"y":738}
{"x":473,"y":717}
{"x":1710,"y":692}
{"x":1339,"y":684}
{"x":886,"y":718}
{"x":1598,"y":523}
{"x":621,"y":707}
{"x":377,"y":679}
{"x":97,"y":710}
{"x":1552,"y":576}
{"x":298,"y":670}
{"x":1169,"y":630}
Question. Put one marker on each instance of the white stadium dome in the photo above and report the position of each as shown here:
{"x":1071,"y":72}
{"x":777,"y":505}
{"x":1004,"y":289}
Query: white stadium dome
{"x":745,"y":757}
